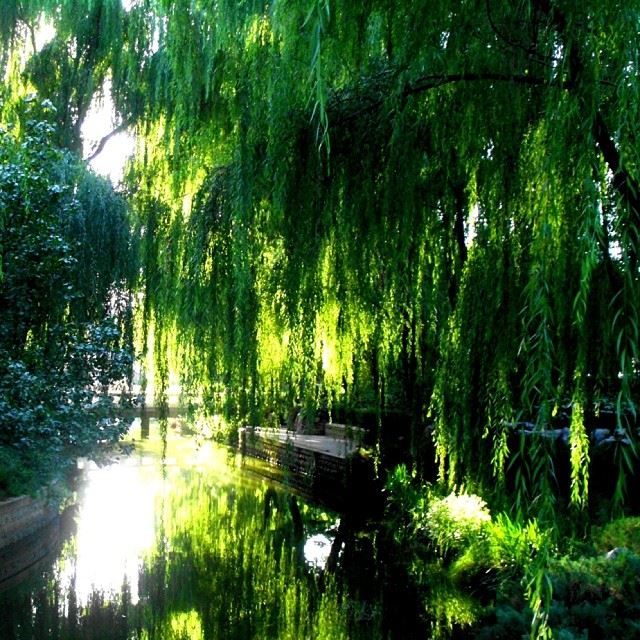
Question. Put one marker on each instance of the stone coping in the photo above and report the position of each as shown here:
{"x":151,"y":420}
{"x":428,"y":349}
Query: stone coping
{"x":21,"y":516}
{"x":331,"y":445}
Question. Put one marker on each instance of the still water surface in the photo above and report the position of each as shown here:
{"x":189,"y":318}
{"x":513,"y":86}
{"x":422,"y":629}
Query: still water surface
{"x":177,"y":542}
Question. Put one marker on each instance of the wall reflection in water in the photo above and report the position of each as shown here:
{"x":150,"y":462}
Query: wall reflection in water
{"x":188,"y":547}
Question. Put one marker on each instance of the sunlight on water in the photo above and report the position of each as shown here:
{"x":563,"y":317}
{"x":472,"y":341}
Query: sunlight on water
{"x":317,"y":550}
{"x":117,"y":518}
{"x":115,"y":528}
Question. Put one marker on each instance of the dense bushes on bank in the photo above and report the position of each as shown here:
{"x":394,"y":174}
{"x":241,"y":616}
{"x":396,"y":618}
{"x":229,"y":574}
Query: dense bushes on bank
{"x":485,"y":575}
{"x":66,"y":270}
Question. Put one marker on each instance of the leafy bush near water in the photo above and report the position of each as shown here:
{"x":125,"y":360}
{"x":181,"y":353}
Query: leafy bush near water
{"x":66,"y":258}
{"x":458,"y":527}
{"x":456,"y":522}
{"x":457,"y":552}
{"x":623,"y":532}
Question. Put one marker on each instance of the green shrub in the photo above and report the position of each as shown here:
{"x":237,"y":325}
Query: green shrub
{"x":623,"y":532}
{"x":455,"y":522}
{"x":500,"y":557}
{"x":507,"y":624}
{"x":67,"y":268}
{"x":597,"y":597}
{"x":15,"y":478}
{"x":512,"y":544}
{"x":402,"y":495}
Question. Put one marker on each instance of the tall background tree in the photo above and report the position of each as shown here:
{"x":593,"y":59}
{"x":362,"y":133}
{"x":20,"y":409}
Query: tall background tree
{"x":67,"y":273}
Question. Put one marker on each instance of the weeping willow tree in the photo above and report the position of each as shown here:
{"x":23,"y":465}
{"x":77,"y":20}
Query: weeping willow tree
{"x":426,"y":205}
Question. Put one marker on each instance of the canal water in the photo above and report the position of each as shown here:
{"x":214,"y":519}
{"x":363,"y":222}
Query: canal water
{"x":176,"y":541}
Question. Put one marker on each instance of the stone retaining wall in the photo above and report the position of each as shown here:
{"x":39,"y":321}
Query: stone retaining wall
{"x":344,"y":432}
{"x":28,"y":532}
{"x":19,"y":517}
{"x":312,"y":473}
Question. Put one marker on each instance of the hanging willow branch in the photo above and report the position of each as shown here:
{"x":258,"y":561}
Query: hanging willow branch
{"x":623,"y":182}
{"x":371,"y":93}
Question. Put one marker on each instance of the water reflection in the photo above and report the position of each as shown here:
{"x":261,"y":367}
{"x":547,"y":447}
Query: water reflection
{"x":116,"y":525}
{"x":188,"y":547}
{"x":317,"y":550}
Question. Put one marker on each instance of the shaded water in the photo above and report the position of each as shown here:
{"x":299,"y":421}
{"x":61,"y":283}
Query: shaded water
{"x":177,"y":542}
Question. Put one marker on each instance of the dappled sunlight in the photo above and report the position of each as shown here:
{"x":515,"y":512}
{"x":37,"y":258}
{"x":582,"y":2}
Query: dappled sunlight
{"x":99,"y":123}
{"x":44,"y":33}
{"x":186,"y":626}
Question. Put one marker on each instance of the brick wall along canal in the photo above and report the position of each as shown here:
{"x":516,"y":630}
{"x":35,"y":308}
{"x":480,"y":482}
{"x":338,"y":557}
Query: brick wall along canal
{"x":177,"y":542}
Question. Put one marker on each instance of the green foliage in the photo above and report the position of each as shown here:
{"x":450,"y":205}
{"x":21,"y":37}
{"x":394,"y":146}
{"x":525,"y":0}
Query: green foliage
{"x":365,"y":279}
{"x":18,"y":473}
{"x":512,"y":545}
{"x":509,"y":623}
{"x":623,"y":532}
{"x":596,"y":597}
{"x":65,"y":333}
{"x":432,"y":207}
{"x":456,"y":522}
{"x":496,"y":557}
{"x":403,"y":496}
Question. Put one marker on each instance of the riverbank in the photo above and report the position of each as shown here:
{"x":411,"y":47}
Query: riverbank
{"x":29,"y":532}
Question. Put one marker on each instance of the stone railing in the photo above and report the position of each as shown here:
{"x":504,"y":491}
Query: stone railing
{"x":344,"y":432}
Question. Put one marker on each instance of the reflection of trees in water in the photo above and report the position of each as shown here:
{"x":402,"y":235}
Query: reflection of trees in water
{"x":228,"y":562}
{"x":50,"y":611}
{"x":235,"y":557}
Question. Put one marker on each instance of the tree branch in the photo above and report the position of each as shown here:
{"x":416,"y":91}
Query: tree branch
{"x":623,"y":182}
{"x":425,"y":83}
{"x":348,"y":105}
{"x":32,"y":33}
{"x":370,"y":95}
{"x":501,"y":34}
{"x":529,"y":50}
{"x":101,"y":144}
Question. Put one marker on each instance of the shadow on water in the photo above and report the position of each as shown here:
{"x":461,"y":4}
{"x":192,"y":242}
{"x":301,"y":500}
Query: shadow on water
{"x":188,"y":547}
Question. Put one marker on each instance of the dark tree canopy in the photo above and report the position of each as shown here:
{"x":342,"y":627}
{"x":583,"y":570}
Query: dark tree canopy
{"x":67,"y":271}
{"x":425,"y":205}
